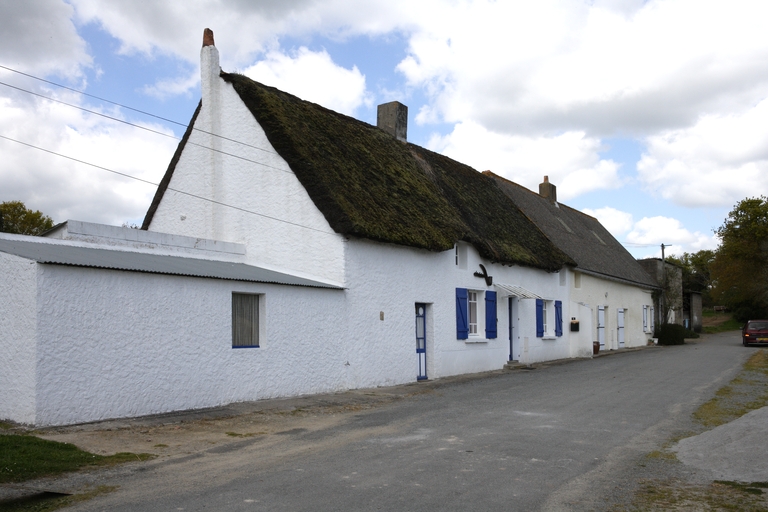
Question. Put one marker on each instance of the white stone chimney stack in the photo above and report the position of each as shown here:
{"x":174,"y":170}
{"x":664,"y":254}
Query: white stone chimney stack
{"x":209,"y":69}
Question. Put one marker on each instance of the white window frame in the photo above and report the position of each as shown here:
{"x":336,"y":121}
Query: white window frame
{"x":472,"y":301}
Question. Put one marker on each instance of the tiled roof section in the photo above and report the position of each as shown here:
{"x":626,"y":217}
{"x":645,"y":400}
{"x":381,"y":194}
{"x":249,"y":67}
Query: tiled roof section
{"x":581,"y":236}
{"x":369,"y":185}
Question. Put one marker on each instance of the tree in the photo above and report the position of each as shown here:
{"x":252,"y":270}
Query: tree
{"x":740,"y":268}
{"x":697,"y":272}
{"x":17,"y":219}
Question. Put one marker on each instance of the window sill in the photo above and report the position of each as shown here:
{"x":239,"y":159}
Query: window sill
{"x":476,"y":340}
{"x":549,"y":338}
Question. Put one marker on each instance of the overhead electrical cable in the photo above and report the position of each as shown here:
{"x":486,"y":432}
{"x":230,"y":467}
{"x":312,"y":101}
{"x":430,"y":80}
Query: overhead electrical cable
{"x":168,"y":188}
{"x":117,"y":119}
{"x":134,"y":109}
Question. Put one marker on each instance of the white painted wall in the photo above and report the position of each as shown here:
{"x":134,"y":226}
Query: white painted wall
{"x":392,"y":279}
{"x":18,"y":322}
{"x":595,"y":291}
{"x":285,"y":231}
{"x":116,"y":344}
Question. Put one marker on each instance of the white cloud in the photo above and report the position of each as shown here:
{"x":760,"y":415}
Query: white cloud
{"x":530,"y":88}
{"x":66,"y":189}
{"x":38,"y":36}
{"x":312,"y":76}
{"x":615,"y":221}
{"x":606,"y":68}
{"x":571,"y":160}
{"x":716,"y":162}
{"x":242,"y":29}
{"x":665,"y":230}
{"x":173,"y":86}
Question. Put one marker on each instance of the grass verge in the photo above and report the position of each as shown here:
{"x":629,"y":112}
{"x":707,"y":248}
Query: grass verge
{"x":728,"y":325}
{"x":46,"y":502}
{"x":26,"y":457}
{"x":748,"y":391}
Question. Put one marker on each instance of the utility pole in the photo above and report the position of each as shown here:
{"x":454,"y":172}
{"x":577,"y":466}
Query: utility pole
{"x":663,"y":312}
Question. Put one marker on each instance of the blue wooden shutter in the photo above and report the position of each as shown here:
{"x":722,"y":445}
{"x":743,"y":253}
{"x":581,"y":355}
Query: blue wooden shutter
{"x":645,"y":318}
{"x":462,"y":325}
{"x":558,"y":318}
{"x":539,"y":318}
{"x":490,"y":315}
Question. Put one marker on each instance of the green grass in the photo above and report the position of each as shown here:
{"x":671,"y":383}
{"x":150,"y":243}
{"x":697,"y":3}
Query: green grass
{"x":746,"y":392}
{"x":48,"y":502}
{"x":247,"y":434}
{"x":25,"y":457}
{"x":728,"y":325}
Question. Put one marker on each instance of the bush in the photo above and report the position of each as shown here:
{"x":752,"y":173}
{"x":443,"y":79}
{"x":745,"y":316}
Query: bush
{"x":670,"y":334}
{"x":745,"y":312}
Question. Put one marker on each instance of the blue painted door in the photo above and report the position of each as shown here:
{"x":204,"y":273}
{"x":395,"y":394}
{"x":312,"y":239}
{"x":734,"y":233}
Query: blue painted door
{"x":421,"y":340}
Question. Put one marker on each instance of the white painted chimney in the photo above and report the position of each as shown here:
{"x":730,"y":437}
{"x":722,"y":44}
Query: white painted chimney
{"x":209,"y":69}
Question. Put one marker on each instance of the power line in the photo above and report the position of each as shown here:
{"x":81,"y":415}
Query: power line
{"x":135,"y":109}
{"x":156,"y":185}
{"x":627,"y":244}
{"x":112,"y":118}
{"x":143,"y":112}
{"x":91,"y":95}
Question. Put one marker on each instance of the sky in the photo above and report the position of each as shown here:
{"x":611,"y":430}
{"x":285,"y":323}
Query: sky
{"x":650,"y":115}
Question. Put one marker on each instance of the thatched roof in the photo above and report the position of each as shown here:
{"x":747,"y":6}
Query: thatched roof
{"x":369,"y":185}
{"x":581,"y":236}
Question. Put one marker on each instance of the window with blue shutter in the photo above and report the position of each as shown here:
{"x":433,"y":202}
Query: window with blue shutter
{"x":462,"y":325}
{"x":539,"y":318}
{"x":490,"y":315}
{"x":558,"y":318}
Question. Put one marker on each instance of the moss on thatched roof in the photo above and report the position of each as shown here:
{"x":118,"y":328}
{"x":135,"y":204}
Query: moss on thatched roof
{"x":369,"y":185}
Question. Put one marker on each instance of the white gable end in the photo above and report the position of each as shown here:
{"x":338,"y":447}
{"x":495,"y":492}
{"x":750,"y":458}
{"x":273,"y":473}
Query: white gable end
{"x":255,"y":198}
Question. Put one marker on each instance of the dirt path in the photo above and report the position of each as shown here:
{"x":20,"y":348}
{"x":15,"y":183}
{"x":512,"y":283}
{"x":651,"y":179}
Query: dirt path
{"x":184,"y":433}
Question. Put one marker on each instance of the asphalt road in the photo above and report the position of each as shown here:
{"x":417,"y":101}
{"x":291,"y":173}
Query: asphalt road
{"x":565,"y":437}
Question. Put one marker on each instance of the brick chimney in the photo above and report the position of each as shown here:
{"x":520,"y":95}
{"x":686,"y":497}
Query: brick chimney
{"x":548,"y":190}
{"x":392,"y":117}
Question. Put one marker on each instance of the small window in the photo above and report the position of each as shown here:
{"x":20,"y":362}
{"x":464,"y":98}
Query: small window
{"x":460,"y":255}
{"x":245,"y":320}
{"x":549,"y":318}
{"x":577,"y":279}
{"x":471,"y":310}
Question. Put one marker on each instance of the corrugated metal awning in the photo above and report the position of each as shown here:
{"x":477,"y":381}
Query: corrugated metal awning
{"x":517,"y":291}
{"x":45,"y":250}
